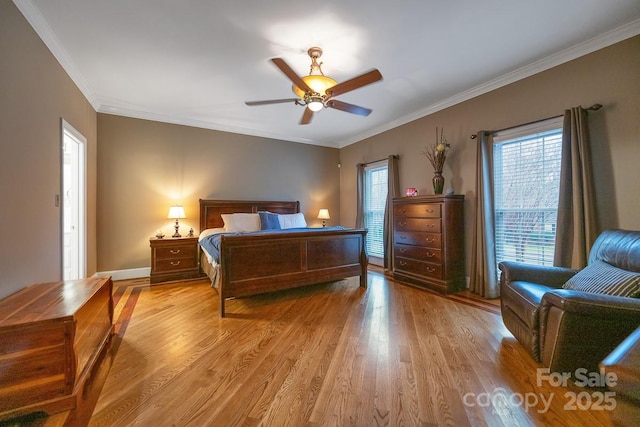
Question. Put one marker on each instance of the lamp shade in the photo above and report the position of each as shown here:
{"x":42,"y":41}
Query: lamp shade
{"x":176,"y":212}
{"x":323,"y":214}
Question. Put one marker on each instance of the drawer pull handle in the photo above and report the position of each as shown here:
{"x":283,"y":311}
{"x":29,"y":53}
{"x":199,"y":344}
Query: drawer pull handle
{"x":429,"y":210}
{"x":403,"y":236}
{"x":429,"y":225}
{"x":402,"y":224}
{"x":175,"y":263}
{"x":430,"y":269}
{"x":429,"y":240}
{"x":174,"y":251}
{"x":403,"y":250}
{"x":430,"y":254}
{"x":402,"y":263}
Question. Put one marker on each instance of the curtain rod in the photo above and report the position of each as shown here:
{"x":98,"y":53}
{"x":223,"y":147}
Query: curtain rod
{"x":594,"y":107}
{"x":379,"y":160}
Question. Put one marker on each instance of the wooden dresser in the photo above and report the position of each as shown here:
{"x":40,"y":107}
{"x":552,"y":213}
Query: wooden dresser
{"x":174,"y":259}
{"x":55,"y":348}
{"x":428,"y":236}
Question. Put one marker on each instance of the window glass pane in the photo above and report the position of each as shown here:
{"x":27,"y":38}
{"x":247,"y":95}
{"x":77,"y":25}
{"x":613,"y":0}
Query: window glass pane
{"x":526,"y":188}
{"x":375,"y":198}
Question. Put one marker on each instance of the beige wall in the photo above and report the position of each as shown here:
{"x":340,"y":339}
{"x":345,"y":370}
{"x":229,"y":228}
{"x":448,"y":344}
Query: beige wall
{"x":36,"y":94}
{"x":610,"y":77}
{"x":144,"y":167}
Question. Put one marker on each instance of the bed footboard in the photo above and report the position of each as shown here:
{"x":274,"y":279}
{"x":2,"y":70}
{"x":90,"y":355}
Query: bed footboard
{"x":251,"y":265}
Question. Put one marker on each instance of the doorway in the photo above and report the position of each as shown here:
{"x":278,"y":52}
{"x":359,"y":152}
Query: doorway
{"x":73,"y":203}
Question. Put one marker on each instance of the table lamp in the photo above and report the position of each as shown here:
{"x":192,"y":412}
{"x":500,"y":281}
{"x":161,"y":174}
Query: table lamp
{"x":323,"y":214}
{"x":176,"y":212}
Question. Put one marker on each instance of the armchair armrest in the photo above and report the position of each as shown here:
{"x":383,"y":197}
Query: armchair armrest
{"x":578,"y":329}
{"x":613,"y":308}
{"x":553,"y":277}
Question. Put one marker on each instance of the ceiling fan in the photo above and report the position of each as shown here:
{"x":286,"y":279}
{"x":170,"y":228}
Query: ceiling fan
{"x":316,"y":91}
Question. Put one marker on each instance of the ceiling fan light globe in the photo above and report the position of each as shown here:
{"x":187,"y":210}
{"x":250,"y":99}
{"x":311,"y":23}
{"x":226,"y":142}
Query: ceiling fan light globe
{"x":318,"y":83}
{"x":315,"y":106}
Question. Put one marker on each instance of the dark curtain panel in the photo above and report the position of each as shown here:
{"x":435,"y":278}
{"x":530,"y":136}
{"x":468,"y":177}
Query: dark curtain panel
{"x":484,"y":271}
{"x":577,"y":222}
{"x":360,"y":195}
{"x":393,"y":190}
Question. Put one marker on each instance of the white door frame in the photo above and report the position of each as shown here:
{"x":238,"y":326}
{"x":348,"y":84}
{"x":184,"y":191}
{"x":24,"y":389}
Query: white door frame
{"x":71,"y":135}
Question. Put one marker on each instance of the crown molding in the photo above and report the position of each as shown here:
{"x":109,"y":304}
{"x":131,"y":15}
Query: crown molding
{"x":609,"y":38}
{"x":39,"y":24}
{"x":217,"y":126}
{"x":42,"y":28}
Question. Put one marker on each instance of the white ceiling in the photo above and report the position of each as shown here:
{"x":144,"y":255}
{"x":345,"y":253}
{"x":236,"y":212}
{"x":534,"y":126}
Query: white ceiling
{"x":195,"y":62}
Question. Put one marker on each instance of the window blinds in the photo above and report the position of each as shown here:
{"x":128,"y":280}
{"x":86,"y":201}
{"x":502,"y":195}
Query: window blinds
{"x":526,"y":189}
{"x":375,"y":198}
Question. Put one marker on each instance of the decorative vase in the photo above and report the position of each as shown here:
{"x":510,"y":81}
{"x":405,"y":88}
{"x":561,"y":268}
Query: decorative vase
{"x":438,"y":182}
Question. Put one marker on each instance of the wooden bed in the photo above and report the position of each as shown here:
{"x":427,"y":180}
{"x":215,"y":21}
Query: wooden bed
{"x":280,"y":260}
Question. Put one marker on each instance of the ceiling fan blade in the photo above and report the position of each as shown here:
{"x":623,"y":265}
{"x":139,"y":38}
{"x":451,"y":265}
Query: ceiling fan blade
{"x":306,"y":116}
{"x":284,"y":67}
{"x":354,"y":83}
{"x":271,"y":101}
{"x":349,"y":108}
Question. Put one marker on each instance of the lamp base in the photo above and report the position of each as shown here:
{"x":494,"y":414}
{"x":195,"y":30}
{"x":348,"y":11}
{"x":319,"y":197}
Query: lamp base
{"x":176,"y":226}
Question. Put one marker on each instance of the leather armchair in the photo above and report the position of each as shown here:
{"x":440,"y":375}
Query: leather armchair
{"x":624,"y":361}
{"x":567,"y":329}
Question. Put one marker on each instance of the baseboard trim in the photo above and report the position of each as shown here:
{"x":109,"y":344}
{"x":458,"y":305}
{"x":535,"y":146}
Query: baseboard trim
{"x":132,"y":273}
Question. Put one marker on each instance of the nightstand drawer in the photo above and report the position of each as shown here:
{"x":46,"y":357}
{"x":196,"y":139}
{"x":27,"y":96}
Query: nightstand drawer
{"x":175,"y":264}
{"x":184,"y":251}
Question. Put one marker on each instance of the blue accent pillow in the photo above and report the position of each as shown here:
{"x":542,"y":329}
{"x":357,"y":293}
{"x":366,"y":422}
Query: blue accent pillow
{"x":269,"y":221}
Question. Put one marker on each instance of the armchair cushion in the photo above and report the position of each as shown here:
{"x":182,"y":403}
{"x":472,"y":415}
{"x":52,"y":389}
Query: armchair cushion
{"x":602,"y":278}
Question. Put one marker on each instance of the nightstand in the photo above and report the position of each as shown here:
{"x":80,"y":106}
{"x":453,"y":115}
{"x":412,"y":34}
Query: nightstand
{"x":174,"y":259}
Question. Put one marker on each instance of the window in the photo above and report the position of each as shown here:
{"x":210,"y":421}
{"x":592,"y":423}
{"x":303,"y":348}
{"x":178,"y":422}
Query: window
{"x":375,"y":199}
{"x":526,"y":191}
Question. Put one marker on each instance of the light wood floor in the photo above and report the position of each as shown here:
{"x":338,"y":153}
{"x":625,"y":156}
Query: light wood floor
{"x":327,"y":355}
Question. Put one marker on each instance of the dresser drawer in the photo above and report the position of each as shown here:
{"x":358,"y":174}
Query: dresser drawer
{"x":419,"y":253}
{"x":426,"y":210}
{"x":420,"y":268}
{"x":431,"y":225}
{"x":417,"y":238}
{"x":184,"y":251}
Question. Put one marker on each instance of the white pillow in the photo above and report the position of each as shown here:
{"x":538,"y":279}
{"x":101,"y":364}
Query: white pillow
{"x":292,"y":221}
{"x":209,"y":232}
{"x":241,"y":222}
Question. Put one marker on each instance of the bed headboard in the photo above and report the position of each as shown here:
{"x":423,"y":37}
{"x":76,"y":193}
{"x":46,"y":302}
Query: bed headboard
{"x":211,"y":210}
